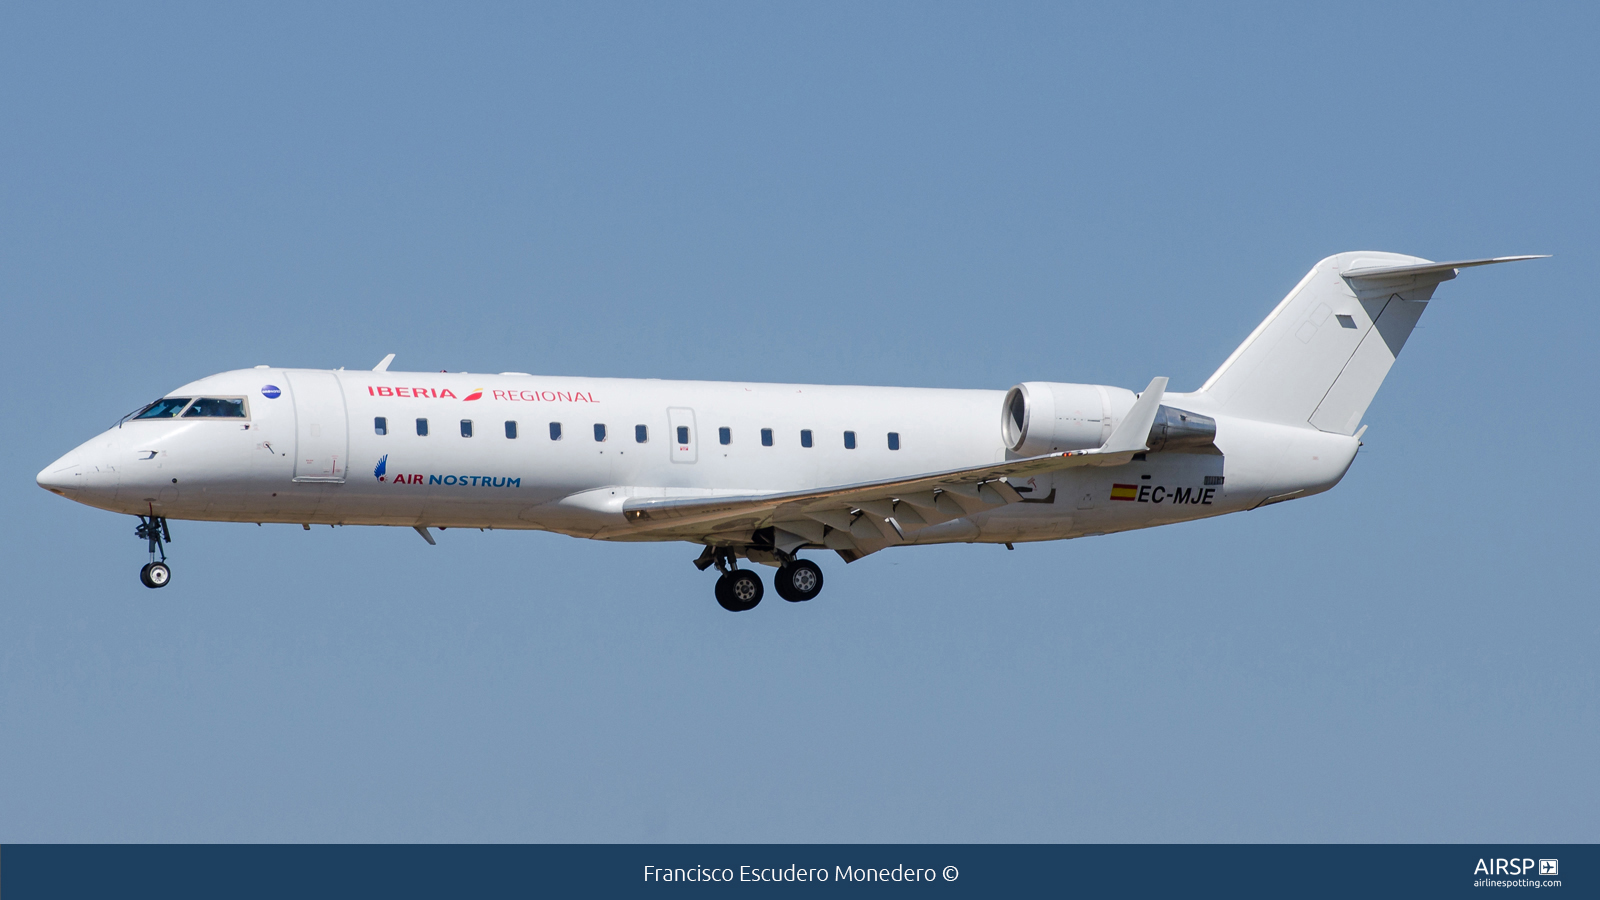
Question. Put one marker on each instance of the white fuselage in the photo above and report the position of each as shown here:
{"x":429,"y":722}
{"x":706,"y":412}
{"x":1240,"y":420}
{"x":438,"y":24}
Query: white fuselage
{"x":308,"y":450}
{"x":763,"y":471}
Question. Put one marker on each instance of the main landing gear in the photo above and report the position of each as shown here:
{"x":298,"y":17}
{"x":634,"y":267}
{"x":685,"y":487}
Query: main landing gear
{"x":798,"y":580}
{"x":739,"y":589}
{"x":153,"y":529}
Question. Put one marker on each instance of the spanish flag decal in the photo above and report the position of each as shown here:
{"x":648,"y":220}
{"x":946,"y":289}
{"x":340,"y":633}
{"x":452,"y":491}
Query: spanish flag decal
{"x":1124,"y":492}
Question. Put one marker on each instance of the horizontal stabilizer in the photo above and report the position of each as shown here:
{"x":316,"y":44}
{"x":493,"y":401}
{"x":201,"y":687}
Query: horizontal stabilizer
{"x":1378,"y":271}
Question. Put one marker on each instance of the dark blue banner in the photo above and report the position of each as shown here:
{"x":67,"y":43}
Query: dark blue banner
{"x":960,"y":870}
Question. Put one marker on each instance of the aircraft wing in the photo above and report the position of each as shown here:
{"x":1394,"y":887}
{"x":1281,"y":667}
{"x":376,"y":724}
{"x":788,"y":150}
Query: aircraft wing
{"x":901,"y":504}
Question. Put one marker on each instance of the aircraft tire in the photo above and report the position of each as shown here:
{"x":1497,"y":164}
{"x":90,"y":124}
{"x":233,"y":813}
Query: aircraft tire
{"x":155,"y":575}
{"x":739,"y":590}
{"x":799,"y":581}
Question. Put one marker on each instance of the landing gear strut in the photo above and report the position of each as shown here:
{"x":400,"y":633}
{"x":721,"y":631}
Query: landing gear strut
{"x":153,"y":529}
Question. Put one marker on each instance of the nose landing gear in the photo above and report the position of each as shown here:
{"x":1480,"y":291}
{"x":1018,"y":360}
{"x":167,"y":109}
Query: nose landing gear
{"x":153,"y":529}
{"x":155,"y":574}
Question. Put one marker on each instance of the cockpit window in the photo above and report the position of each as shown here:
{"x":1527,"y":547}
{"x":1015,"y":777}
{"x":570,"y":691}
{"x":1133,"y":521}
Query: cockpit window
{"x":216,"y":408}
{"x":165,"y":408}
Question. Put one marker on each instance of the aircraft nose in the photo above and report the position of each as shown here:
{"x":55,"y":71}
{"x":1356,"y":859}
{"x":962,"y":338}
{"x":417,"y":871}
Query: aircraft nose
{"x":64,"y":476}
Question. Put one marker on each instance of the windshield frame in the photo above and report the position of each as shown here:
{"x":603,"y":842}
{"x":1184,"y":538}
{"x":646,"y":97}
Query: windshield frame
{"x":244,"y":405}
{"x":140,"y":415}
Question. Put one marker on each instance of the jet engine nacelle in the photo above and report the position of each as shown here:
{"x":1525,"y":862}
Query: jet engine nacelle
{"x":1040,"y":417}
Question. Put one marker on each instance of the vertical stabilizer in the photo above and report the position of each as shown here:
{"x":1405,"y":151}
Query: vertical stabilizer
{"x":1321,"y":355}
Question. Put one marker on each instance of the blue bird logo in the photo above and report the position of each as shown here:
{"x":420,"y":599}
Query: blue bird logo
{"x":381,"y":467}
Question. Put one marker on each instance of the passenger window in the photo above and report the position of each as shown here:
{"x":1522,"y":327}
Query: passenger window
{"x":165,"y":408}
{"x":422,"y":428}
{"x":894,"y":440}
{"x":380,"y":425}
{"x":849,"y":440}
{"x":683,"y":434}
{"x":805,"y":437}
{"x":599,"y":432}
{"x":466,"y":428}
{"x":555,"y":431}
{"x":215,"y":408}
{"x":511,"y":430}
{"x":725,"y":436}
{"x":641,"y":434}
{"x":766,"y":437}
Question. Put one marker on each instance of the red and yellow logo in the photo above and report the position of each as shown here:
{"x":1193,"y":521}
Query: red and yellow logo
{"x":477,"y":394}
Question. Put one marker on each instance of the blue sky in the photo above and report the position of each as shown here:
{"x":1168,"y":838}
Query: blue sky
{"x":909,"y":194}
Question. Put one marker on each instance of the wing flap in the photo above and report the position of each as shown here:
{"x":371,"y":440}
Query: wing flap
{"x":818,"y":504}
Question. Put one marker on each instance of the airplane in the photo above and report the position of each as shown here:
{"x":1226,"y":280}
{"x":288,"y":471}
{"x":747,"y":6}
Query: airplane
{"x":763,"y":472}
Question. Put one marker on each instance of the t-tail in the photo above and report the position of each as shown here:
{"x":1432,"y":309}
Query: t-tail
{"x":1322,"y":354}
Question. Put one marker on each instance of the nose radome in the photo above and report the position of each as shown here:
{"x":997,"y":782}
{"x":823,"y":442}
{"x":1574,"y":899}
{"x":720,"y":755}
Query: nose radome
{"x":64,"y":477}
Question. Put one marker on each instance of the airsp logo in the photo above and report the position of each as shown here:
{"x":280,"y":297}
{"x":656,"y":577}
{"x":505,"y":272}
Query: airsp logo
{"x":1513,"y":867}
{"x":1549,"y":867}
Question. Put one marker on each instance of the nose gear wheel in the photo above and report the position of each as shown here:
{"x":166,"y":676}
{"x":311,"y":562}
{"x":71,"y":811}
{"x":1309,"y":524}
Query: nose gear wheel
{"x":153,"y":530}
{"x":155,"y":575}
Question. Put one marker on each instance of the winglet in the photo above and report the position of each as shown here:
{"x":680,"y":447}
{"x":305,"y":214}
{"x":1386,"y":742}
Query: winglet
{"x":384,"y":366}
{"x":1132,"y":434}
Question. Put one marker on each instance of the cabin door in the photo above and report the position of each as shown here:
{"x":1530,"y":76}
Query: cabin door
{"x":322,"y":439}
